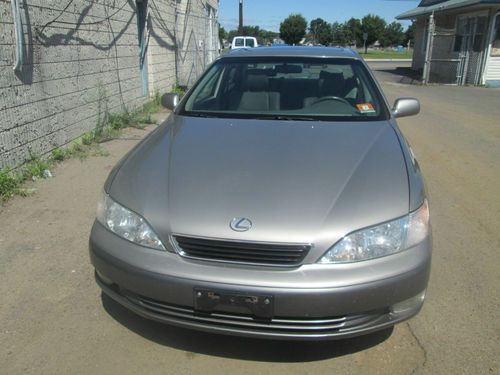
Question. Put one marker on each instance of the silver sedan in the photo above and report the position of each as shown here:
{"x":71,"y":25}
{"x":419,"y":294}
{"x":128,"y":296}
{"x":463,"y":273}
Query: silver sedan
{"x":278,"y":200}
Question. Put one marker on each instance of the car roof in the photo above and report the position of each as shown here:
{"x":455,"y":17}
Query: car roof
{"x":300,"y":51}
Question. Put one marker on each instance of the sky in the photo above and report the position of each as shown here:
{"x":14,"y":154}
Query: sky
{"x":267,"y":14}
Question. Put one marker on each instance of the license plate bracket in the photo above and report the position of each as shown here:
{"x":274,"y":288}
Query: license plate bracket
{"x":209,"y":301}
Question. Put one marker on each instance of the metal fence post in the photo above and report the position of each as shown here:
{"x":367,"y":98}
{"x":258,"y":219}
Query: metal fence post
{"x":428,"y":50}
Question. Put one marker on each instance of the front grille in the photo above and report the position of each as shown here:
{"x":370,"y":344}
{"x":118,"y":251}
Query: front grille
{"x":295,"y":326}
{"x":242,"y":252}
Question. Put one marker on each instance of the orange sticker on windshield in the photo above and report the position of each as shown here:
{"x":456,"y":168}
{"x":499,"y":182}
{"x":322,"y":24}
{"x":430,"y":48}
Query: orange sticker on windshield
{"x":365,"y":108}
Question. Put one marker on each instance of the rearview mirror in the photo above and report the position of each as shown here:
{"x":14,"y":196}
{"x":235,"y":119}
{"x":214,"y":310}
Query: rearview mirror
{"x":170,"y":100}
{"x":406,"y":107}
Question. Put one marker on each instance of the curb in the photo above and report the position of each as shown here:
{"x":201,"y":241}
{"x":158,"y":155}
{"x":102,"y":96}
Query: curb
{"x":388,"y":60}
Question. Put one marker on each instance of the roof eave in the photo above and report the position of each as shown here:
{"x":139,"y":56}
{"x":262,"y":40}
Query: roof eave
{"x":425,"y":11}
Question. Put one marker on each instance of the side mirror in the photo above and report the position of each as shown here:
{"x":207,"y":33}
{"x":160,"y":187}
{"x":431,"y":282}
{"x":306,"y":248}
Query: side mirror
{"x":170,"y":100}
{"x":406,"y":107}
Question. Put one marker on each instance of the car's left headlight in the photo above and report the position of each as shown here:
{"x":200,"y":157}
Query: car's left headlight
{"x":381,"y":240}
{"x":126,"y":223}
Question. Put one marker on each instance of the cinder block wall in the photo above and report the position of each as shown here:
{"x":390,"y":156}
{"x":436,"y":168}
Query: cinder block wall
{"x":197,"y":35}
{"x":81,"y":57}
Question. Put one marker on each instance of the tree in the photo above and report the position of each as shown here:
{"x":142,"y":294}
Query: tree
{"x":354,"y":28}
{"x":222,"y":34}
{"x":374,"y":26}
{"x":342,"y":35}
{"x":321,"y":31}
{"x":393,"y":35}
{"x":266,"y":37}
{"x":293,"y":29}
{"x":410,"y":34}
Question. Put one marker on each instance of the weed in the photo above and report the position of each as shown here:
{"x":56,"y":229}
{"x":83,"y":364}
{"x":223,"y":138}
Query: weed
{"x":180,"y":90}
{"x":108,"y":127}
{"x":58,"y":154}
{"x":8,"y":184}
{"x":88,"y":138}
{"x":34,"y":167}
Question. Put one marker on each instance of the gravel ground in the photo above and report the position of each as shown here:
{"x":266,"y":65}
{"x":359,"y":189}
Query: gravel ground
{"x":53,"y":318}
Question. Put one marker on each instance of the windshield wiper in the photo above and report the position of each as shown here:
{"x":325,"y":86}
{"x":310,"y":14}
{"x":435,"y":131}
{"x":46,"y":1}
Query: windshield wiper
{"x":199,"y":114}
{"x":286,"y":118}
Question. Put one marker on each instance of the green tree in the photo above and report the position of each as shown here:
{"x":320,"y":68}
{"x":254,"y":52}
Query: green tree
{"x":321,"y":31}
{"x":374,"y":26}
{"x":393,"y":35}
{"x":222,"y":34}
{"x":410,"y":34}
{"x":354,"y":28}
{"x":293,"y":29}
{"x":342,"y":34}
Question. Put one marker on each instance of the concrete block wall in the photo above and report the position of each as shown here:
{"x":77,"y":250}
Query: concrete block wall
{"x":81,"y":57}
{"x":197,"y":37}
{"x":161,"y":46}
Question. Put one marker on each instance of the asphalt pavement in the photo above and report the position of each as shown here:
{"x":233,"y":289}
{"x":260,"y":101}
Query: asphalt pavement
{"x":53,"y":318}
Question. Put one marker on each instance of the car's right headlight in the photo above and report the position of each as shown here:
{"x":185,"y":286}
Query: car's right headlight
{"x":126,"y":223}
{"x":381,"y":240}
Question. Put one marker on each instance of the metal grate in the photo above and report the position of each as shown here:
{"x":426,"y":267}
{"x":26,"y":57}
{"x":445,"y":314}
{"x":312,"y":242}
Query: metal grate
{"x":242,"y":252}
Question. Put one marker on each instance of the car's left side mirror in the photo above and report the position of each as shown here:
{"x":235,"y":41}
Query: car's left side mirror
{"x":404,"y":107}
{"x":170,"y":100}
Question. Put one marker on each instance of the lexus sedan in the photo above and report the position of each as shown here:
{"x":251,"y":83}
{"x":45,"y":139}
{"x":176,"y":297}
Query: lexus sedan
{"x":279,"y":200}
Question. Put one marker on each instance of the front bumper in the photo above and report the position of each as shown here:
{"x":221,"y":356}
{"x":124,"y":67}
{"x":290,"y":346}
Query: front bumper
{"x":310,"y":302}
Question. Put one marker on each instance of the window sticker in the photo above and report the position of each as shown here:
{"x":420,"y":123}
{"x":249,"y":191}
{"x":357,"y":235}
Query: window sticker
{"x":365,"y":108}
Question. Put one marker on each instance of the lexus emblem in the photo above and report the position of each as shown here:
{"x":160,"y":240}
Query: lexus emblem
{"x":240,"y":224}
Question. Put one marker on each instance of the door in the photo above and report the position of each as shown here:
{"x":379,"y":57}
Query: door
{"x":470,"y":42}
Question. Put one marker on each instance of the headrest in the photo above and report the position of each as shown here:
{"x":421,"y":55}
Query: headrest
{"x":257,"y":82}
{"x":331,"y":83}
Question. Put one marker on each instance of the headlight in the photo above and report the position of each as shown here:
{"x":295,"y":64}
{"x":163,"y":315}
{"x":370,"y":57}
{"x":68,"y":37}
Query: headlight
{"x":381,"y":240}
{"x":126,"y":223}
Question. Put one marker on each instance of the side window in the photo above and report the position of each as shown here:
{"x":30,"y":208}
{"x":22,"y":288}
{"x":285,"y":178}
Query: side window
{"x":239,"y":42}
{"x":208,"y":89}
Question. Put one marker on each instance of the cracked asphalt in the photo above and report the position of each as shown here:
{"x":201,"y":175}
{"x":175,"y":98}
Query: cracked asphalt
{"x":53,"y":318}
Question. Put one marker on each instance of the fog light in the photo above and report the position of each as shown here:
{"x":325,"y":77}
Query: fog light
{"x":406,"y":306}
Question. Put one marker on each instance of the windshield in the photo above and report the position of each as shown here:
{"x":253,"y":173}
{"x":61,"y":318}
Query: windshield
{"x":286,"y":88}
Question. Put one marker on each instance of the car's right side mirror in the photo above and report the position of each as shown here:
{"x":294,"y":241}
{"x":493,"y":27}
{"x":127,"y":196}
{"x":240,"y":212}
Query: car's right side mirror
{"x":404,"y":107}
{"x":170,"y":100}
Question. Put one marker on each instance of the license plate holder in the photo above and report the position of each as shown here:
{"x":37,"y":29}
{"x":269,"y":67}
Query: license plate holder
{"x":209,"y":301}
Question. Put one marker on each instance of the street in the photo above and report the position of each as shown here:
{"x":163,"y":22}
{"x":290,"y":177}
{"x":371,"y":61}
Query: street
{"x":53,"y":318}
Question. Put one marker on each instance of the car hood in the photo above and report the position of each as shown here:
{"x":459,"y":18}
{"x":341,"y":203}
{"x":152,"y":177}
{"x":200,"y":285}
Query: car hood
{"x":298,"y":182}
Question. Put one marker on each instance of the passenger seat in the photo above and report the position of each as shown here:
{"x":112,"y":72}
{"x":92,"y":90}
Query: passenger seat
{"x":256,"y":95}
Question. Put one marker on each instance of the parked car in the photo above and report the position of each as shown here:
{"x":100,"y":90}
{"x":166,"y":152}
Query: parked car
{"x":244,"y":42}
{"x":279,"y":200}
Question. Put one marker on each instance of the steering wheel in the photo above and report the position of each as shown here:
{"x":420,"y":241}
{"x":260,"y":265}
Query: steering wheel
{"x":326,"y":98}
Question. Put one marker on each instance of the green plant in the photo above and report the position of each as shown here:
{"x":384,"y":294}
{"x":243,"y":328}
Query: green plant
{"x":8,"y":184}
{"x":58,"y":154}
{"x":180,"y":90}
{"x":88,"y":138}
{"x":34,"y":166}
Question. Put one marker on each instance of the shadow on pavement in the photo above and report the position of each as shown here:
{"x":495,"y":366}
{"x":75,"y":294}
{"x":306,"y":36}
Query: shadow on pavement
{"x":405,"y":75}
{"x":238,"y":347}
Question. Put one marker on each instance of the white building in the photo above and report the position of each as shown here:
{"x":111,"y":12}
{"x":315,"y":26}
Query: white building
{"x":457,"y":41}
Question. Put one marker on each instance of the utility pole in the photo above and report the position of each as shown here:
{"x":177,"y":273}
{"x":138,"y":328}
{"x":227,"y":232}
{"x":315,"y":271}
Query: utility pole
{"x":240,"y":28}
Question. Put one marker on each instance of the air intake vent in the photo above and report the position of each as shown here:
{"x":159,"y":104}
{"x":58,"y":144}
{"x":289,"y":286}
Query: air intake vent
{"x":242,"y":252}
